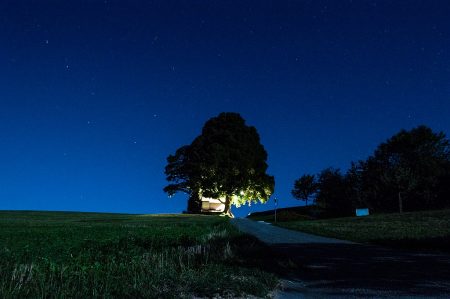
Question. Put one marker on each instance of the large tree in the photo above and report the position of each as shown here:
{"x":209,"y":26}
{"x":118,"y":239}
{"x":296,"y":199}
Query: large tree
{"x":304,"y":187}
{"x":408,"y":168}
{"x":227,"y":162}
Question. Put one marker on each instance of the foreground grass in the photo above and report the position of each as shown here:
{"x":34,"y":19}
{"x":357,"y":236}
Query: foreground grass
{"x":416,"y":230}
{"x":86,"y":255}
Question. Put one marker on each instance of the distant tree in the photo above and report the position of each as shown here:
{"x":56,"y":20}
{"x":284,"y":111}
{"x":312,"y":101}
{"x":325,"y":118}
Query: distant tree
{"x":410,"y":165}
{"x":227,"y":162}
{"x":332,"y":193}
{"x":304,"y":187}
{"x":401,"y":176}
{"x":410,"y":171}
{"x":443,"y":189}
{"x":354,"y":181}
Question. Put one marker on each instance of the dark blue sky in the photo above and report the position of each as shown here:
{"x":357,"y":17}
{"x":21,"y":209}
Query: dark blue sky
{"x":95,"y":94}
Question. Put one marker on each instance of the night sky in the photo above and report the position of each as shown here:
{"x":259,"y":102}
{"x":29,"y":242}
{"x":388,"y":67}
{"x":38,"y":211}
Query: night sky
{"x":96,"y":94}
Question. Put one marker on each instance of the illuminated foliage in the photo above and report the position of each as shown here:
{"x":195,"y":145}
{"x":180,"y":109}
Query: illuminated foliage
{"x":227,"y":162}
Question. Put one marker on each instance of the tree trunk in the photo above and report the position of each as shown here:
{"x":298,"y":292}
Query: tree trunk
{"x":400,"y":202}
{"x":227,"y":210}
{"x":194,"y":204}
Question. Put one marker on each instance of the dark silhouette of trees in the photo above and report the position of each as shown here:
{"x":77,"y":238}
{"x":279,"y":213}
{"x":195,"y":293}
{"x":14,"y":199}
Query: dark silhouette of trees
{"x":354,"y":179}
{"x":406,"y":170}
{"x":183,"y":172}
{"x":443,"y":189}
{"x":305,"y":187}
{"x":332,"y":193}
{"x":410,"y":171}
{"x":226,"y":162}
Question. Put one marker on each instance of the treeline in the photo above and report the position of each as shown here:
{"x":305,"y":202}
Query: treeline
{"x":408,"y":172}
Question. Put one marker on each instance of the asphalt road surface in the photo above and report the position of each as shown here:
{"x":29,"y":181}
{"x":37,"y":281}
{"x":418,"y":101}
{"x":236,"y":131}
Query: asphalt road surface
{"x":325,"y":267}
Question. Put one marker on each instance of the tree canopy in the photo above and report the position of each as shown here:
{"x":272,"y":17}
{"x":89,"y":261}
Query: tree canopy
{"x":226,"y":162}
{"x":304,"y":187}
{"x":332,"y":192}
{"x":410,"y":163}
{"x":409,"y":171}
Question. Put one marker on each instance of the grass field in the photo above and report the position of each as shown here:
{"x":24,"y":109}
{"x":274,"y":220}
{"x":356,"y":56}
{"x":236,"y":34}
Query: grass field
{"x":416,"y":230}
{"x":285,"y":214}
{"x":86,"y":255}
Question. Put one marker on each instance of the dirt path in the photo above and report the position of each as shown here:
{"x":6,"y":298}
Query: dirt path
{"x":325,"y":267}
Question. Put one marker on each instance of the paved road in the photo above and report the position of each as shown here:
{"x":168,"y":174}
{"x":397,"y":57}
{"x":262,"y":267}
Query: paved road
{"x":324,"y":267}
{"x":276,"y":235}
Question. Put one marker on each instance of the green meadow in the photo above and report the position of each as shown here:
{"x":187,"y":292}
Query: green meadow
{"x":91,"y":255}
{"x":424,"y":230}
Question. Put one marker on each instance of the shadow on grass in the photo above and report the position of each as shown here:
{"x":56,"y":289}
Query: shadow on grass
{"x":436,"y":244}
{"x":252,"y":253}
{"x":355,"y":266}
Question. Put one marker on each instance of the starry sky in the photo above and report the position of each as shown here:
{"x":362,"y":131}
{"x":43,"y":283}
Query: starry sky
{"x":94,"y":95}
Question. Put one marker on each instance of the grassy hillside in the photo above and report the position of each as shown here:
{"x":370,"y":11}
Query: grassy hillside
{"x":58,"y":254}
{"x":286,"y":214}
{"x":421,"y":230}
